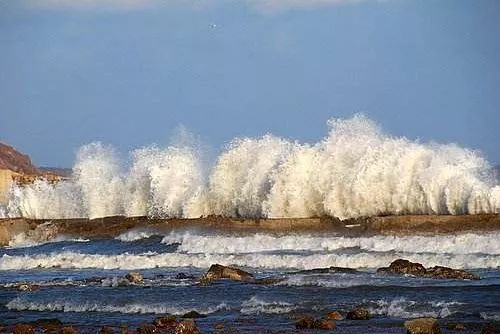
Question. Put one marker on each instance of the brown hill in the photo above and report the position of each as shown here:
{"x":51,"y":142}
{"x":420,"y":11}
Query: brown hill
{"x":15,"y":161}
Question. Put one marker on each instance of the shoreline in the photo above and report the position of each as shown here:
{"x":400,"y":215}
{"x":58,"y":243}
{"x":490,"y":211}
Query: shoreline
{"x":108,"y":227}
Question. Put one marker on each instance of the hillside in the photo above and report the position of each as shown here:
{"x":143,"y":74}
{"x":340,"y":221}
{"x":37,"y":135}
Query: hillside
{"x":13,"y":160}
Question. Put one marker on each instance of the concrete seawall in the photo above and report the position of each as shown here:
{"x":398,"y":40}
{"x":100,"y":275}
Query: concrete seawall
{"x":41,"y":230}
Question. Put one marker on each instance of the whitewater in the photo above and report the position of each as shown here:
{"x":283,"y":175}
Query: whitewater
{"x":356,"y":170}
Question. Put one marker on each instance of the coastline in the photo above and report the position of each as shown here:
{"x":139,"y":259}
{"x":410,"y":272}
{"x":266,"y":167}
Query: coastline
{"x":43,"y":230}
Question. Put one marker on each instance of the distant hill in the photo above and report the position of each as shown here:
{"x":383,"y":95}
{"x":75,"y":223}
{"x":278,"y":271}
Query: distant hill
{"x":13,"y":160}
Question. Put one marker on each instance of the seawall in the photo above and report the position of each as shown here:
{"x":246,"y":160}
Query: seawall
{"x":41,"y":230}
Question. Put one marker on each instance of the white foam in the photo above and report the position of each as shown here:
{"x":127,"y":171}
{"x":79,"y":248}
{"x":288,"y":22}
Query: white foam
{"x":407,"y":309}
{"x":486,"y":243}
{"x":21,"y":304}
{"x":490,"y":316}
{"x":355,"y":171}
{"x":66,"y":259}
{"x":136,"y":234}
{"x":256,"y":305}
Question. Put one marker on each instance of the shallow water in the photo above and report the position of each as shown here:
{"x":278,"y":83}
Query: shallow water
{"x":81,"y":281}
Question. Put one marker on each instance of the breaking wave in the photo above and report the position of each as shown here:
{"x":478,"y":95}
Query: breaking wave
{"x":74,"y":260}
{"x":407,"y":309}
{"x":469,"y":243}
{"x":256,"y":305}
{"x":22,"y":304}
{"x":356,"y":170}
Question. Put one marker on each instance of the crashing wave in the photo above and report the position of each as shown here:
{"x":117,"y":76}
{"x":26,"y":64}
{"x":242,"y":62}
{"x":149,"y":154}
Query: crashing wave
{"x":355,"y":171}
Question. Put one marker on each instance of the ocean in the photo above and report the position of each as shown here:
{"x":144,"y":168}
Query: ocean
{"x":81,"y":282}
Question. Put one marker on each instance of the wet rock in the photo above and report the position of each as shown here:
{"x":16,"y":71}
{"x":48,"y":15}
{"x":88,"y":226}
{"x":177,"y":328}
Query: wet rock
{"x":491,"y":328}
{"x":442,"y":272}
{"x":106,"y":330}
{"x":358,"y":314}
{"x":182,"y":275}
{"x":423,"y":326}
{"x":28,"y":287}
{"x":147,"y":328}
{"x":404,"y":267}
{"x":166,"y":323}
{"x":49,"y":325}
{"x":134,"y":277}
{"x":456,"y":326}
{"x":218,"y":271}
{"x":23,"y":328}
{"x":268,"y":281}
{"x":69,"y":330}
{"x":304,"y":322}
{"x":324,"y":324}
{"x":187,"y":327}
{"x":219,"y":326}
{"x":193,"y":315}
{"x":334,"y":316}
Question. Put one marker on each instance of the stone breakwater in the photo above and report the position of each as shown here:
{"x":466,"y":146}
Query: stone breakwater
{"x":109,"y":227}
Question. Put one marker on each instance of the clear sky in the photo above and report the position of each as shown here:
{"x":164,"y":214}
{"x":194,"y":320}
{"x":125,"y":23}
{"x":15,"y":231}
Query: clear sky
{"x":128,"y":72}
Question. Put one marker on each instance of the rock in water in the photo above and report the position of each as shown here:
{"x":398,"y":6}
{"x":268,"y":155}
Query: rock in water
{"x":106,"y":330}
{"x":134,"y":277}
{"x":187,"y":327}
{"x":304,"y":322}
{"x":324,"y":324}
{"x":23,"y":328}
{"x":193,"y":315}
{"x":404,"y":267}
{"x":49,"y":325}
{"x":69,"y":330}
{"x":166,"y":323}
{"x":358,"y":314}
{"x":218,"y":271}
{"x":423,"y":326}
{"x":334,"y":316}
{"x":442,"y":272}
{"x":147,"y":329}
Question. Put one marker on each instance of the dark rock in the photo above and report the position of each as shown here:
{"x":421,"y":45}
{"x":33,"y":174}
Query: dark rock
{"x":324,"y":324}
{"x":423,"y":326}
{"x":404,"y":267}
{"x":187,"y":327}
{"x":267,"y":281}
{"x":304,"y":322}
{"x":49,"y":325}
{"x":218,"y":271}
{"x":23,"y":328}
{"x":358,"y":314}
{"x":69,"y":330}
{"x":491,"y":328}
{"x":193,"y":315}
{"x":219,"y":325}
{"x":442,"y":272}
{"x":166,"y":323}
{"x":334,"y":316}
{"x":455,"y":326}
{"x":106,"y":330}
{"x":134,"y":277}
{"x":182,"y":275}
{"x":147,"y":328}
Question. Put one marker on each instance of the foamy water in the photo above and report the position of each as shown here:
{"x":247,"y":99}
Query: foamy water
{"x":356,"y":170}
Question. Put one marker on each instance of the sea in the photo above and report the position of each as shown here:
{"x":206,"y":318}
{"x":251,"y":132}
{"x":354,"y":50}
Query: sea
{"x":81,"y":282}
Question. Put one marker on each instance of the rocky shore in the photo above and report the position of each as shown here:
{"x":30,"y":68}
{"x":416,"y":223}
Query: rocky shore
{"x":42,"y":230}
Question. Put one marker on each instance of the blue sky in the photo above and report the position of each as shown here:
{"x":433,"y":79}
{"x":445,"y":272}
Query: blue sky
{"x":128,"y":72}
